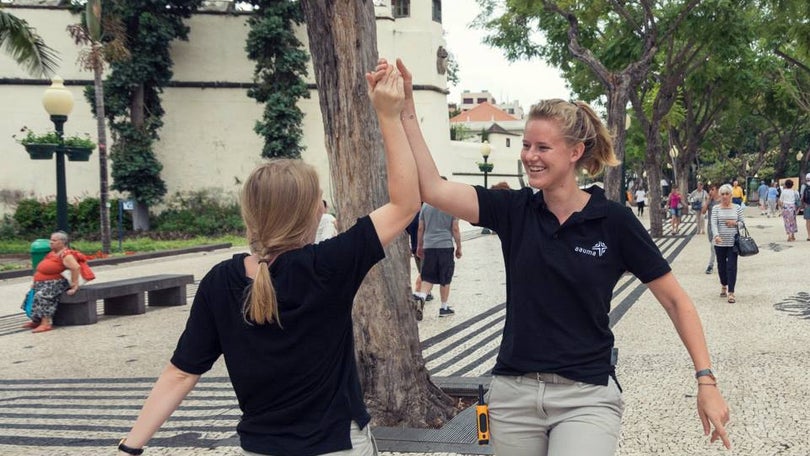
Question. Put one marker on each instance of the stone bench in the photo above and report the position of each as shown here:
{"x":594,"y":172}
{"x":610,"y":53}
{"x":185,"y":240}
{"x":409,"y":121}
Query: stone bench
{"x":121,"y":297}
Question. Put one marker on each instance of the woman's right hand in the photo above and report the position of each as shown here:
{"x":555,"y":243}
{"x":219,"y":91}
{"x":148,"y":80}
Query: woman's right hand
{"x":385,"y":88}
{"x":407,"y":79}
{"x":718,"y":240}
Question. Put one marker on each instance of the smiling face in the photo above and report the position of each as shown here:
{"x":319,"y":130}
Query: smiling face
{"x":548,"y":158}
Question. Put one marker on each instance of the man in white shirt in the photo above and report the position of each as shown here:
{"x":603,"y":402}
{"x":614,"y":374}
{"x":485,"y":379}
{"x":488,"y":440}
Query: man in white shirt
{"x":327,"y":227}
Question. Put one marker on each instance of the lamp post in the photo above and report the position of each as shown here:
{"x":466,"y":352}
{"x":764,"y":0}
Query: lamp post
{"x":58,"y":102}
{"x":486,"y":149}
{"x":673,"y":153}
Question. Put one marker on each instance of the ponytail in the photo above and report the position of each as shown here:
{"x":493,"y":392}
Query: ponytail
{"x":262,"y":306}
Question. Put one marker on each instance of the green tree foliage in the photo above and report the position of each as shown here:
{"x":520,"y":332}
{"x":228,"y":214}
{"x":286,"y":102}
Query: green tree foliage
{"x":132,"y":90}
{"x":452,"y":70}
{"x":278,"y":76}
{"x":20,"y":41}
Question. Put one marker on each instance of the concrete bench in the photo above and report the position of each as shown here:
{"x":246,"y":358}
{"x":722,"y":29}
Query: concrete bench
{"x":121,"y":297}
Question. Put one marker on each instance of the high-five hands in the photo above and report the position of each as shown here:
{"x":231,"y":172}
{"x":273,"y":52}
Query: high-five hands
{"x":386,"y":89}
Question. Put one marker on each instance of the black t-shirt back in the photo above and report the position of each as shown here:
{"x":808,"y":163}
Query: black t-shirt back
{"x":297,"y":384}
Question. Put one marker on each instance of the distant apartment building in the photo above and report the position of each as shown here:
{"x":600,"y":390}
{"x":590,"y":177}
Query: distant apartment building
{"x":470,"y":100}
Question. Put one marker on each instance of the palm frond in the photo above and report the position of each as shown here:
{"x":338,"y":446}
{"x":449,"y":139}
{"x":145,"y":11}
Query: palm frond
{"x":26,"y":47}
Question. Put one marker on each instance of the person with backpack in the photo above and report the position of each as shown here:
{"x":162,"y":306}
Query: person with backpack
{"x":49,"y":283}
{"x":806,"y":203}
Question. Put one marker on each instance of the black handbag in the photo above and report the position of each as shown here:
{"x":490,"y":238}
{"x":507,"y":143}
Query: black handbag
{"x":744,"y":244}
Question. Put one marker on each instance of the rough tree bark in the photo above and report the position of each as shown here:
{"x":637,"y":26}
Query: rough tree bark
{"x":343,"y":44}
{"x":104,"y":194}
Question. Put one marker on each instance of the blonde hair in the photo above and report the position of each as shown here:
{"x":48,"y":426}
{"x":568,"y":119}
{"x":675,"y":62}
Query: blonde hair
{"x":580,"y":124}
{"x":725,"y":188}
{"x":281,"y":205}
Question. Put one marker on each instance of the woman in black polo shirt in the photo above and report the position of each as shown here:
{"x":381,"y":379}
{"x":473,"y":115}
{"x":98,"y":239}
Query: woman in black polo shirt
{"x":281,"y":315}
{"x":554,"y":389}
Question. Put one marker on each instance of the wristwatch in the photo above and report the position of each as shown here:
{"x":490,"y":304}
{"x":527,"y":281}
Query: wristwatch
{"x":705,"y":373}
{"x":128,"y":449}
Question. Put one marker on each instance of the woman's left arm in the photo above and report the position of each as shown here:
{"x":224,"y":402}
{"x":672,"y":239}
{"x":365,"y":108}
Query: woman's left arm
{"x":712,"y":408}
{"x":73,"y":266}
{"x":167,"y":394}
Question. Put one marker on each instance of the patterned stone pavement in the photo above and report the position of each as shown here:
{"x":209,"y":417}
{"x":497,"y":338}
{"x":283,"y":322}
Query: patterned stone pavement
{"x":77,"y":390}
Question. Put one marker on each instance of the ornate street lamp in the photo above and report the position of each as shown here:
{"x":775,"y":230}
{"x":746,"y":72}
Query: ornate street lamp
{"x":485,"y":168}
{"x":58,"y":101}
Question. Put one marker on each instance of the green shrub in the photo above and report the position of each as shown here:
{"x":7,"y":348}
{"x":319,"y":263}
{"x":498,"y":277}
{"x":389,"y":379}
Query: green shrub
{"x":189,"y":214}
{"x":8,"y":227}
{"x":35,"y":219}
{"x":200,"y":213}
{"x":32,"y":218}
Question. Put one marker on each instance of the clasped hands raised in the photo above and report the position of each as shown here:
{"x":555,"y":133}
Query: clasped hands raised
{"x":388,"y":87}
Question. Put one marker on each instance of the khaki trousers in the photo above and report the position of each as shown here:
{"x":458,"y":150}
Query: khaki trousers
{"x":550,"y":415}
{"x":362,"y":444}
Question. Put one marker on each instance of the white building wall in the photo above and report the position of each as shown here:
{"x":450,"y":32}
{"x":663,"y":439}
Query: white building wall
{"x":207,"y":140}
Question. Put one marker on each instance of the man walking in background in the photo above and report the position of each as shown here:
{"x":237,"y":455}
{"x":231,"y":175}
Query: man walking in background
{"x":437,"y":232}
{"x":737,"y":193}
{"x":762,"y":193}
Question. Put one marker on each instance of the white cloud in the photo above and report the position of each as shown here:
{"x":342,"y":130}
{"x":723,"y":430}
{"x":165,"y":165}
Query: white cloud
{"x":484,"y":68}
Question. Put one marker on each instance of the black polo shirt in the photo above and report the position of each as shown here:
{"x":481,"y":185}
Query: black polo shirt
{"x":297,"y":384}
{"x":560,"y":280}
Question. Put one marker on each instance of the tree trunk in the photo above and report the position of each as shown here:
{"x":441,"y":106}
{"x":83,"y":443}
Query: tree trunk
{"x":653,"y":168}
{"x":398,"y":390}
{"x":617,"y":125}
{"x":140,"y":216}
{"x":104,"y":209}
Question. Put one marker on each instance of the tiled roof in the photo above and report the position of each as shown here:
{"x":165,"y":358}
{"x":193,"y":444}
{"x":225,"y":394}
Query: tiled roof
{"x":483,"y":112}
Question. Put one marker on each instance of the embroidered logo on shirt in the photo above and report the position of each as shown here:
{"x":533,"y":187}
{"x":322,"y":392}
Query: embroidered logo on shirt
{"x":598,"y":249}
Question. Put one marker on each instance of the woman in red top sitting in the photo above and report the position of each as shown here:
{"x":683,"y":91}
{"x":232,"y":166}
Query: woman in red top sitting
{"x":49,"y":283}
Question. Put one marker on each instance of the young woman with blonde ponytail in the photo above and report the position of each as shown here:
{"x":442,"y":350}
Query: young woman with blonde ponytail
{"x":281,"y":315}
{"x":554,"y":389}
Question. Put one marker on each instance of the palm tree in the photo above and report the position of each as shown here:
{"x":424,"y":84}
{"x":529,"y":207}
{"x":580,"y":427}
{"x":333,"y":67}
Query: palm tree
{"x":25,"y":46}
{"x":91,"y":34}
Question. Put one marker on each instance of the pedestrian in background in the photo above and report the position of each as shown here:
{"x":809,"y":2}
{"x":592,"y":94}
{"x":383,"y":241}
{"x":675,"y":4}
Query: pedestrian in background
{"x":773,"y":198}
{"x":282,"y":315}
{"x":712,"y":201}
{"x":437,"y":232}
{"x":805,"y":196}
{"x":737,"y":193}
{"x":327,"y":227}
{"x":554,"y":390}
{"x":787,"y":202}
{"x":697,"y":199}
{"x":413,"y":230}
{"x":762,"y":193}
{"x":641,"y":199}
{"x":675,"y":204}
{"x":726,"y":218}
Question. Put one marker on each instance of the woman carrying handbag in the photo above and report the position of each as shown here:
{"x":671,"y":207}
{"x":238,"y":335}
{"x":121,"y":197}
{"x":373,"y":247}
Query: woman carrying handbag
{"x":724,"y":220}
